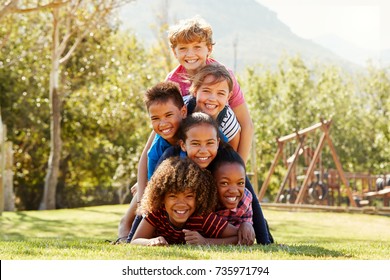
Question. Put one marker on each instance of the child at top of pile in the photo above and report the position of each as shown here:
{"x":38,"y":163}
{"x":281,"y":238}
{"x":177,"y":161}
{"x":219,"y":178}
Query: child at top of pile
{"x":178,"y":202}
{"x":199,"y":141}
{"x":192,"y":44}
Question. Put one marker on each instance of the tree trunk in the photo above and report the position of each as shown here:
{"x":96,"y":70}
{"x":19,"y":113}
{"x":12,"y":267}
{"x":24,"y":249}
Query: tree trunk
{"x":3,"y":132}
{"x":8,"y":185}
{"x":51,"y":179}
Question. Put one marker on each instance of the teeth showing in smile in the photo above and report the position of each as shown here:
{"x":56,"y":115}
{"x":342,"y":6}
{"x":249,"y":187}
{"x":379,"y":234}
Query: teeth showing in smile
{"x":181,"y":211}
{"x":231,"y":199}
{"x":191,"y":61}
{"x":203,"y":158}
{"x":165,"y":131}
{"x":210,"y":106}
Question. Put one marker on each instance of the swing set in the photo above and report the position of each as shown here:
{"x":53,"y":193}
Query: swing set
{"x":312,"y":189}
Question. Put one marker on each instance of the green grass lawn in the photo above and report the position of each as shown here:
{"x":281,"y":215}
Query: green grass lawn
{"x":77,"y":234}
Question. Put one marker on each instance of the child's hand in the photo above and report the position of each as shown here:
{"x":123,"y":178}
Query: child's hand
{"x":194,"y":237}
{"x":158,"y":241}
{"x":246,"y":234}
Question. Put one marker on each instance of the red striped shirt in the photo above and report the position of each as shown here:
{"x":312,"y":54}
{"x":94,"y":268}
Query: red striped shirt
{"x":209,"y":226}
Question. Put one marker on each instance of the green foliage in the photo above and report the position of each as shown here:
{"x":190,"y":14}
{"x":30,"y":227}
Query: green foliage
{"x":24,"y":100}
{"x":293,"y":97}
{"x":104,"y":122}
{"x":104,"y":119}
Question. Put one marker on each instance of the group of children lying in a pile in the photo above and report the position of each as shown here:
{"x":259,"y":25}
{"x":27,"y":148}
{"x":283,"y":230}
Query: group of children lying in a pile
{"x":192,"y":185}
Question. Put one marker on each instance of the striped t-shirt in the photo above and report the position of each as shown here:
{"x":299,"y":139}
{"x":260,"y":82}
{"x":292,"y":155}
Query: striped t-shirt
{"x":209,"y":226}
{"x":229,"y":126}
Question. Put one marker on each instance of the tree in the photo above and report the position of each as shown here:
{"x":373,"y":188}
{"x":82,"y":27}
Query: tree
{"x":104,"y":122}
{"x":14,"y":7}
{"x":78,"y":19}
{"x":71,"y":21}
{"x":294,"y":97}
{"x":162,"y":49}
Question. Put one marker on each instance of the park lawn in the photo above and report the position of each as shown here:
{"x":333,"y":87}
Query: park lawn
{"x":82,"y":234}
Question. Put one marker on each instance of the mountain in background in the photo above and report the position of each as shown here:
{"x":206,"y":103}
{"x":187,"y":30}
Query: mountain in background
{"x":243,"y":26}
{"x":351,"y":52}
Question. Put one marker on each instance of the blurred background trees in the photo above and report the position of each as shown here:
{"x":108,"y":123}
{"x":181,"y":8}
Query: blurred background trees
{"x":104,"y":123}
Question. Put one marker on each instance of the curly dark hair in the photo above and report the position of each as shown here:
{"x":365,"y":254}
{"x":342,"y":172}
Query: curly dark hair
{"x":175,"y":175}
{"x":162,"y":93}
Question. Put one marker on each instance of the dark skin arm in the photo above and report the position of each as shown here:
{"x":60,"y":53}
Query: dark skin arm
{"x":145,"y":236}
{"x":229,"y":236}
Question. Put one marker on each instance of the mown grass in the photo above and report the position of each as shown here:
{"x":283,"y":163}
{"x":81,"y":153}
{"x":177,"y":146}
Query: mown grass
{"x":79,"y":234}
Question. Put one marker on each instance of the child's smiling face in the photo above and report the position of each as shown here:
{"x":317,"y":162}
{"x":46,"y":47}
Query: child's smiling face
{"x":230,"y":178}
{"x":166,"y":118}
{"x":192,"y":56}
{"x":180,"y":206}
{"x":212,"y":96}
{"x":201,"y":144}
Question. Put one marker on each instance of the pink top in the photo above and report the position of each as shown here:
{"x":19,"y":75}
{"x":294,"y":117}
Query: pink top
{"x":178,"y":75}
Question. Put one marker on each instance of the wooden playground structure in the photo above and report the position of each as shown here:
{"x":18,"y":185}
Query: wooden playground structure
{"x":318,"y":185}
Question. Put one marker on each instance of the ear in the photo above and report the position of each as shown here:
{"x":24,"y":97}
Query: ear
{"x":230,"y":95}
{"x":210,"y":50}
{"x":182,"y":146}
{"x":174,"y":53}
{"x":184,"y":111}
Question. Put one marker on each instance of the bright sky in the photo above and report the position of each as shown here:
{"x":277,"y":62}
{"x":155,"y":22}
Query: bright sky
{"x":365,"y":23}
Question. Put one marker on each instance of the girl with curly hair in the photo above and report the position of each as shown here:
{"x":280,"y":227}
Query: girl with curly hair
{"x":178,"y":205}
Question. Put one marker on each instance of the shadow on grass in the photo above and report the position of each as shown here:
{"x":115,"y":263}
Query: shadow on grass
{"x":312,"y":251}
{"x":238,"y":252}
{"x":103,"y":210}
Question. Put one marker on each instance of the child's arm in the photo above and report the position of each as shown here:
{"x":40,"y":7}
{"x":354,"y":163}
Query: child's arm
{"x":145,"y":236}
{"x":126,"y":221}
{"x":247,"y":130}
{"x":235,"y":142}
{"x":228,"y":236}
{"x":143,"y":168}
{"x":195,"y":238}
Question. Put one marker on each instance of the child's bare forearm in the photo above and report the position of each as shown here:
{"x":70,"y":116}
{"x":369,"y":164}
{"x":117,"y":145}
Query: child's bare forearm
{"x":143,"y":168}
{"x":247,"y":130}
{"x":222,"y":241}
